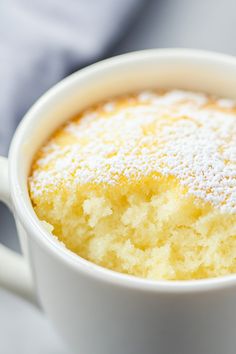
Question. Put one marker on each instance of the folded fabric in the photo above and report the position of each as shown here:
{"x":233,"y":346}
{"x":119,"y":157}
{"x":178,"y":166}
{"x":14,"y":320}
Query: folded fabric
{"x":42,"y":41}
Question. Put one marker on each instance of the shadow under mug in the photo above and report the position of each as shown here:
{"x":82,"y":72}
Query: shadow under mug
{"x":94,"y":309}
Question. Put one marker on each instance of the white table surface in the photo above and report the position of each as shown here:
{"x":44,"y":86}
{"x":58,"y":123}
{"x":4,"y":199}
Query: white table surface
{"x":205,"y":24}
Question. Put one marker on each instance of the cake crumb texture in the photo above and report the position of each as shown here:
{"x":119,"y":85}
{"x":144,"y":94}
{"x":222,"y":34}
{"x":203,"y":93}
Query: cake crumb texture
{"x":144,"y":184}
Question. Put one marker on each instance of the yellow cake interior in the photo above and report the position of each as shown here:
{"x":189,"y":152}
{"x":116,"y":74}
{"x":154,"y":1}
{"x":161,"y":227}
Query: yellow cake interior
{"x":144,"y":184}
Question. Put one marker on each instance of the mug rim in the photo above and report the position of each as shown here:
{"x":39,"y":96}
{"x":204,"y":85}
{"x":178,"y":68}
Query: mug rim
{"x":34,"y":227}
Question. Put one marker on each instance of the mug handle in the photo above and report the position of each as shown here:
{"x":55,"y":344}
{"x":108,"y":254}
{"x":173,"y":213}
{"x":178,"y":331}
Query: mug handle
{"x":15,"y":274}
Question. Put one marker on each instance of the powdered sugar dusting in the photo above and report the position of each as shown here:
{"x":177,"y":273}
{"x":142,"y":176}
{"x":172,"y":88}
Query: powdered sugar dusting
{"x":109,"y":106}
{"x":172,"y":97}
{"x":226,"y":103}
{"x":175,"y":133}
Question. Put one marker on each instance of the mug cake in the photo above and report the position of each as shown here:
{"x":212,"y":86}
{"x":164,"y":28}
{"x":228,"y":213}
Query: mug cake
{"x":144,"y":184}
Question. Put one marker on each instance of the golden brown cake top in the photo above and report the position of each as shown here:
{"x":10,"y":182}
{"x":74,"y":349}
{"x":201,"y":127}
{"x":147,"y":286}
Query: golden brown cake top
{"x":189,"y":135}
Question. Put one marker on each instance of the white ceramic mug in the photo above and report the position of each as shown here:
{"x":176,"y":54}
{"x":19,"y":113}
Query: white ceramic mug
{"x":98,"y":311}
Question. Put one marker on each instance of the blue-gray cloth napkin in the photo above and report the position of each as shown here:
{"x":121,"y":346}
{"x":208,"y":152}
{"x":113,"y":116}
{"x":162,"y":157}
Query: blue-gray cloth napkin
{"x":42,"y":41}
